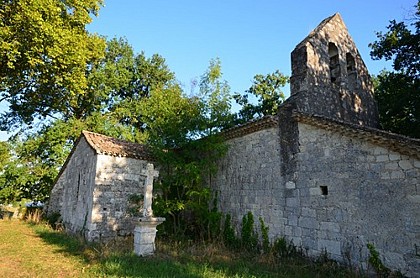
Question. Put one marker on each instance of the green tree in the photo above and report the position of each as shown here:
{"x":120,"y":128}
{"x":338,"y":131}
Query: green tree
{"x":136,"y":84}
{"x":267,"y":89}
{"x":4,"y":160}
{"x":216,"y":97}
{"x":183,"y":133}
{"x":45,"y":52}
{"x":398,"y":92}
{"x":114,"y":82}
{"x":38,"y":156}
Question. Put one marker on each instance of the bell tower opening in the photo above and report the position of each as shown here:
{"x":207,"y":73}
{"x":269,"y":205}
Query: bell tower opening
{"x":334,"y":62}
{"x":351,"y":64}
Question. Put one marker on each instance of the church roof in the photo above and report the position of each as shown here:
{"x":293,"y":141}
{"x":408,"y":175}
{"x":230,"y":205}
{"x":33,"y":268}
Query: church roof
{"x":115,"y":147}
{"x":395,"y":142}
{"x":250,"y":127}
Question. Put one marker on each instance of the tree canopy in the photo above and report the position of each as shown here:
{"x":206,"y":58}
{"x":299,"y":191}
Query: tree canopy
{"x":267,"y":89}
{"x":398,"y":92}
{"x":52,"y":68}
{"x":45,"y":52}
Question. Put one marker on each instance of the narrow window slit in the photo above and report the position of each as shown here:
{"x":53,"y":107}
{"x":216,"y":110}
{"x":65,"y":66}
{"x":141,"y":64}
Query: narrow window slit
{"x":324,"y":190}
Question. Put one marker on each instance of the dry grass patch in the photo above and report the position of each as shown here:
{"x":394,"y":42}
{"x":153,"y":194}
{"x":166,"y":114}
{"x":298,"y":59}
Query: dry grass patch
{"x":24,"y":254}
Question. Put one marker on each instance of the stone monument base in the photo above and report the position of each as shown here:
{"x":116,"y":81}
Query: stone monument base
{"x":145,"y":234}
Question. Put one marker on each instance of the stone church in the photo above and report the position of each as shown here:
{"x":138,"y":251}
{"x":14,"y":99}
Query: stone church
{"x":320,"y":173}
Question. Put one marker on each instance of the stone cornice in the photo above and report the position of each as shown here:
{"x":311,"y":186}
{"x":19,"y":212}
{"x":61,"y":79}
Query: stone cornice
{"x":395,"y":142}
{"x":250,"y":127}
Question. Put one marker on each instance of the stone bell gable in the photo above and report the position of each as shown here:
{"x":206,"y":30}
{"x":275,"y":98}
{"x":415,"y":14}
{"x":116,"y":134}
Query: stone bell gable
{"x":93,"y":188}
{"x":329,"y":77}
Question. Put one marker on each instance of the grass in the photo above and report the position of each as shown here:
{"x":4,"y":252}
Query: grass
{"x":24,"y":254}
{"x":38,"y":251}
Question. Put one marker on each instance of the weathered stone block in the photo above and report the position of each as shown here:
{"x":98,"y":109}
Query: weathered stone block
{"x":331,"y":246}
{"x":310,"y":212}
{"x":382,"y":158}
{"x":397,"y":175}
{"x":379,"y":150}
{"x":292,"y":202}
{"x":394,"y":156}
{"x":330,"y":226}
{"x":314,"y":191}
{"x":308,"y":222}
{"x":391,"y":166}
{"x":288,"y":231}
{"x":405,"y":164}
{"x":414,"y":199}
{"x":385,"y":176}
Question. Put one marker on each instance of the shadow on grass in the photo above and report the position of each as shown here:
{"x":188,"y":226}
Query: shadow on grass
{"x":129,"y":265}
{"x":173,"y":261}
{"x":67,"y":244}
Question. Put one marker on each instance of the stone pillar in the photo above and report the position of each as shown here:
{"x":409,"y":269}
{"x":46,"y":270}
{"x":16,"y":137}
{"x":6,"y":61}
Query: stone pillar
{"x":145,"y":234}
{"x":145,"y":231}
{"x":150,"y":174}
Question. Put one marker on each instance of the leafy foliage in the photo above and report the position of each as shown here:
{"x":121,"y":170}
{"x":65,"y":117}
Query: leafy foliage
{"x":229,"y":237}
{"x":181,"y":130}
{"x":248,"y":235}
{"x":39,"y":153}
{"x":45,"y":51}
{"x":398,"y":100}
{"x":376,"y":263}
{"x":215,"y":94}
{"x":267,"y":89}
{"x":76,"y":81}
{"x":397,"y":92}
{"x":264,"y":236}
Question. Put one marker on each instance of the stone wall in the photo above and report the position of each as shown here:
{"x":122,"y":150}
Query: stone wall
{"x":248,"y":179}
{"x":349,"y":192}
{"x":76,"y":184}
{"x":117,"y":178}
{"x":326,"y":190}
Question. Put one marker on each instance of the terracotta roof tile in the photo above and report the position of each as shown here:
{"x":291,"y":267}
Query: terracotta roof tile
{"x":115,"y":147}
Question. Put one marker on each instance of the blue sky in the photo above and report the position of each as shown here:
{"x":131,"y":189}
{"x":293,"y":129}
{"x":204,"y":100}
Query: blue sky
{"x":249,"y":36}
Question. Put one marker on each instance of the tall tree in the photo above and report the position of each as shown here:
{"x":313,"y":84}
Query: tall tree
{"x":398,"y":92}
{"x":215,"y":95}
{"x":45,"y":51}
{"x":118,"y":84}
{"x":267,"y":89}
{"x":183,"y":132}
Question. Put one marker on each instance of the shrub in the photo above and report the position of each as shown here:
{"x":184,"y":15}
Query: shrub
{"x":229,"y":237}
{"x":376,"y":262}
{"x":264,"y":235}
{"x":249,"y":237}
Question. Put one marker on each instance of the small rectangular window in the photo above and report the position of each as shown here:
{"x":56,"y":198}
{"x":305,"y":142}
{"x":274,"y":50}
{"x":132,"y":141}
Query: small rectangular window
{"x":324,"y":190}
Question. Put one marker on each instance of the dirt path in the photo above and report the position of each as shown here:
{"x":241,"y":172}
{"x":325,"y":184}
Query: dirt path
{"x":23,"y":253}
